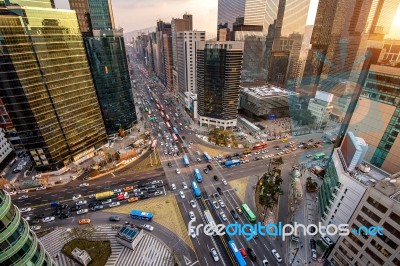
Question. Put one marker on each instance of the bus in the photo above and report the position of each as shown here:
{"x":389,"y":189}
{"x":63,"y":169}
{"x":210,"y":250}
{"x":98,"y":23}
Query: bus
{"x":162,"y":114}
{"x":196,"y":190}
{"x":236,"y":253}
{"x":232,"y":162}
{"x":197,"y":175}
{"x":248,"y":213}
{"x":168,"y":125}
{"x":208,"y":158}
{"x":146,"y":109}
{"x":141,"y":215}
{"x":158,"y":106}
{"x":175,"y":130}
{"x":104,"y":195}
{"x":185,"y":160}
{"x":260,"y":146}
{"x":209,"y":220}
{"x":154,"y":145}
{"x":174,"y":137}
{"x":319,"y":155}
{"x":167,"y":117}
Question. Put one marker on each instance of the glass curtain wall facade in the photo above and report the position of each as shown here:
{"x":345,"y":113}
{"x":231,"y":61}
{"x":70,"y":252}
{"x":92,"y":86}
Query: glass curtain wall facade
{"x":18,"y":244}
{"x":46,"y":85}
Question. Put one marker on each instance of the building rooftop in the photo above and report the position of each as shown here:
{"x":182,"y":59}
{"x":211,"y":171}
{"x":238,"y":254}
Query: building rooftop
{"x":265,"y":91}
{"x":128,"y":233}
{"x":390,"y":186}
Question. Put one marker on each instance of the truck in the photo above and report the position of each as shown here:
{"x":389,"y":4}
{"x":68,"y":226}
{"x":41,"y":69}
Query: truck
{"x":232,"y":162}
{"x":104,"y":195}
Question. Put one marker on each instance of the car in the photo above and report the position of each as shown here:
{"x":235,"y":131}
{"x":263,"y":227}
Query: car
{"x":309,"y":155}
{"x":184,"y":185}
{"x":265,"y":262}
{"x":209,"y":167}
{"x":192,"y":233}
{"x":27,"y":217}
{"x":276,"y":255}
{"x":216,"y":178}
{"x":234,"y":215}
{"x":117,"y":190}
{"x":76,"y":197}
{"x":219,"y":191}
{"x":178,"y":171}
{"x":224,"y":182}
{"x":114,"y":204}
{"x":48,"y":219}
{"x":193,"y":203}
{"x":84,"y":185}
{"x":82,"y":211}
{"x":182,"y":194}
{"x":105,"y":202}
{"x":192,"y":216}
{"x":223,"y":216}
{"x":97,"y":208}
{"x":221,"y":203}
{"x":252,"y":254}
{"x":36,"y":227}
{"x":57,"y":212}
{"x":327,"y":240}
{"x":313,"y":245}
{"x":243,"y":252}
{"x":133,"y":199}
{"x":84,"y":221}
{"x":92,"y":196}
{"x":148,"y":227}
{"x":40,"y":188}
{"x":75,"y":208}
{"x":128,"y":188}
{"x":81,"y":202}
{"x":64,"y":215}
{"x":27,"y":209}
{"x":114,"y":218}
{"x":39,"y":216}
{"x":12,"y":193}
{"x":215,"y":203}
{"x":314,"y":254}
{"x":214,"y":254}
{"x":23,"y":197}
{"x":198,"y":159}
{"x":205,"y":170}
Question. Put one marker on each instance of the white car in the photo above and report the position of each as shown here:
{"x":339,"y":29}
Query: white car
{"x":214,"y":254}
{"x":117,"y":190}
{"x":114,"y":204}
{"x":221,"y":203}
{"x":12,"y":193}
{"x":40,"y":188}
{"x":92,"y":196}
{"x":178,"y":171}
{"x":36,"y":227}
{"x":276,"y":255}
{"x":193,"y":203}
{"x":81,"y":202}
{"x":184,"y":185}
{"x":327,"y":240}
{"x":265,"y":262}
{"x":216,"y":206}
{"x":313,"y":254}
{"x":182,"y":194}
{"x":84,"y":185}
{"x":27,"y":209}
{"x":82,"y":211}
{"x":223,"y":216}
{"x":76,"y":197}
{"x":104,"y":202}
{"x":148,"y":227}
{"x":192,"y":233}
{"x":23,"y":197}
{"x":48,"y":219}
{"x":224,"y":182}
{"x":192,"y":216}
{"x":173,"y":187}
{"x":27,"y":218}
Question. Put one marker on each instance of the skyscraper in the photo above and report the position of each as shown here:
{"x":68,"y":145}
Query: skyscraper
{"x":229,"y":10}
{"x":105,"y":49}
{"x":18,"y":245}
{"x":218,"y":77}
{"x":48,"y":92}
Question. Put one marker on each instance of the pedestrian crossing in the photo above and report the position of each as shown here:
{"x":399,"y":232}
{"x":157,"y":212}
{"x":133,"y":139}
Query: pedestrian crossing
{"x":149,"y":252}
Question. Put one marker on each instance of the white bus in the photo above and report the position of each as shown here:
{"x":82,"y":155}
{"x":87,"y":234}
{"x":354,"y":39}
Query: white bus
{"x":210,"y":220}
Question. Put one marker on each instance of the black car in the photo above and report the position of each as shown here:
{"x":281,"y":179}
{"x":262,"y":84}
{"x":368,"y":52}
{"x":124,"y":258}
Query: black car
{"x":234,"y":215}
{"x":251,"y":254}
{"x":219,"y":190}
{"x":92,"y":204}
{"x":62,"y":206}
{"x":75,"y":208}
{"x":56,"y":213}
{"x":64,"y":215}
{"x":39,"y":216}
{"x":209,"y":167}
{"x":144,"y":196}
{"x":169,"y":164}
{"x":216,"y":178}
{"x":114,"y":219}
{"x":313,"y":244}
{"x":97,"y":208}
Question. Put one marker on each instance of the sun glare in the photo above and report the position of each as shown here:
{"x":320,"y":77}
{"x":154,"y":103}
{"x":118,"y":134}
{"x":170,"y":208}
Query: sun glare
{"x":395,"y":29}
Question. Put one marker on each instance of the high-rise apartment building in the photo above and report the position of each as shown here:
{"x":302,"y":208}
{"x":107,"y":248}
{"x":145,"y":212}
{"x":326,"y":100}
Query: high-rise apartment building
{"x":164,"y":54}
{"x":19,"y":245}
{"x":105,"y":48}
{"x":48,"y":92}
{"x":5,"y":147}
{"x":379,"y":206}
{"x":218,"y":77}
{"x":187,"y":48}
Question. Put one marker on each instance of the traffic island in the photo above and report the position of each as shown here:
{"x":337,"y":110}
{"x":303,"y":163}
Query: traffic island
{"x":99,"y":251}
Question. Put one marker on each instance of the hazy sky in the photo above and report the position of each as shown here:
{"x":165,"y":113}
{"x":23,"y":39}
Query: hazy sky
{"x":138,"y":14}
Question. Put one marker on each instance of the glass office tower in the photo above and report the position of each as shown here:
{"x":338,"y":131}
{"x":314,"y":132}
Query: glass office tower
{"x":18,"y":244}
{"x":46,"y":85}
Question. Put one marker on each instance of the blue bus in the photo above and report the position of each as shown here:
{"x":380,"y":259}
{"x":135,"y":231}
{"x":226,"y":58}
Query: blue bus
{"x":141,"y":215}
{"x":236,"y":253}
{"x":185,"y":160}
{"x":196,"y":190}
{"x":232,"y":162}
{"x":208,"y":158}
{"x":197,"y":175}
{"x":175,"y":130}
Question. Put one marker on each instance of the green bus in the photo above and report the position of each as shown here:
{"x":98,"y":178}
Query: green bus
{"x":319,"y":155}
{"x":248,"y":213}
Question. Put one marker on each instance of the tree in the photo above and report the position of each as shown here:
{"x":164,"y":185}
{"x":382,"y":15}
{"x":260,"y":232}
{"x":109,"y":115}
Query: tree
{"x":277,"y":161}
{"x":303,"y":117}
